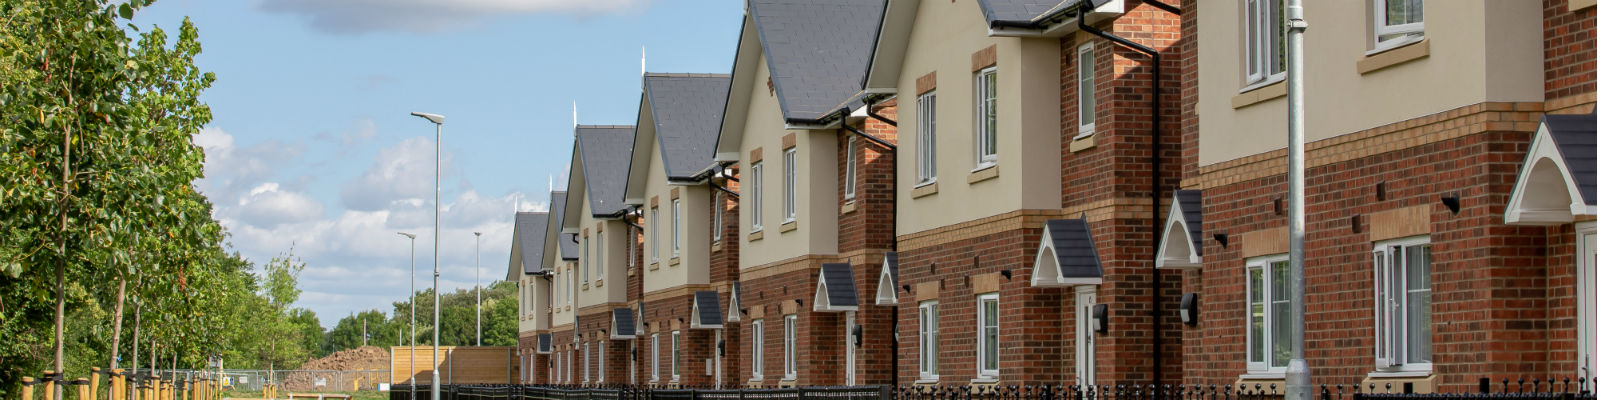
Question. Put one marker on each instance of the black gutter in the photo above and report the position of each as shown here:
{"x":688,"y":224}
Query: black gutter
{"x":714,"y":185}
{"x":844,"y":124}
{"x":875,"y":115}
{"x":1163,"y":6}
{"x":630,"y":223}
{"x":1155,"y":173}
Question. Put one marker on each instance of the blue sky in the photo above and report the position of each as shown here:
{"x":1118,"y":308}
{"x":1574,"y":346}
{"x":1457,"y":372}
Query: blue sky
{"x":312,"y":145}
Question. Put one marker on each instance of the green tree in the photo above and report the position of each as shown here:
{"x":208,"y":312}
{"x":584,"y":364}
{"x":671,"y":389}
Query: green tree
{"x":381,"y":332}
{"x":312,"y":335}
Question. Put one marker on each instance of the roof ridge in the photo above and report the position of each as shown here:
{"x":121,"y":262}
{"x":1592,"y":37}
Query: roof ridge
{"x":582,"y":126}
{"x":686,"y":75}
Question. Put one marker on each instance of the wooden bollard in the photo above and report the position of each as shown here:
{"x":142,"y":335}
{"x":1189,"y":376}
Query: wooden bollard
{"x":27,"y":388}
{"x":83,"y":387}
{"x":94,"y":383}
{"x":50,"y":385}
{"x":119,"y":385}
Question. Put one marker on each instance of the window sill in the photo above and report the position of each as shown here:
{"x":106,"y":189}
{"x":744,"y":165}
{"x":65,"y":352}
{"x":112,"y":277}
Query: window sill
{"x":1385,"y":58}
{"x":599,"y":283}
{"x":716,"y":246}
{"x":789,"y":226}
{"x":786,"y":383}
{"x":757,"y":235}
{"x":1081,"y":143}
{"x":630,"y":271}
{"x":1260,"y":92}
{"x":1575,"y":5}
{"x":926,"y":381}
{"x":655,"y":266}
{"x":1400,"y":374}
{"x":925,"y":190}
{"x":672,"y":262}
{"x":983,"y":173}
{"x":1394,"y":382}
{"x":848,"y":207}
{"x":984,"y":381}
{"x":1407,"y":41}
{"x":585,"y":286}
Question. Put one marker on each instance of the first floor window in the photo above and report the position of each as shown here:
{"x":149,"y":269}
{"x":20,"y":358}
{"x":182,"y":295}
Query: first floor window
{"x":789,"y":347}
{"x":674,"y":355}
{"x":987,"y":120}
{"x":1086,"y":89}
{"x":927,"y":138}
{"x":655,"y":357}
{"x":789,"y":171}
{"x":928,"y":339}
{"x":655,"y":235}
{"x":755,"y":196}
{"x":1267,"y":285}
{"x":1403,"y":304}
{"x":989,"y":335}
{"x":758,"y":341}
{"x":677,"y":225}
{"x":586,"y":256}
{"x":716,"y":216}
{"x":600,"y":255}
{"x":850,"y":168}
{"x":1264,"y":43}
{"x":1395,"y":22}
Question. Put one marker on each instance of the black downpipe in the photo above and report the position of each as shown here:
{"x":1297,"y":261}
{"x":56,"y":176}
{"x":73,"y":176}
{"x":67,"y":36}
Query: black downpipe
{"x":1155,"y":170}
{"x":876,"y":116}
{"x":1163,"y":6}
{"x":721,"y":188}
{"x":842,"y":123}
{"x":894,"y":224}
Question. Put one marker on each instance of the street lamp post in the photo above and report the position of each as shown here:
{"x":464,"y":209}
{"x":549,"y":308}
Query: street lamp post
{"x":477,"y":269}
{"x":438,"y":138}
{"x":413,"y":300}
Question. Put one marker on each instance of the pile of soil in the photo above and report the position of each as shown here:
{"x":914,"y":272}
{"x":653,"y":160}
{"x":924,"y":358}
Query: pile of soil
{"x":341,"y":371}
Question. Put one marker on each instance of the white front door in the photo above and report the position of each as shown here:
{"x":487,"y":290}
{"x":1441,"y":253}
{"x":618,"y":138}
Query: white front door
{"x":633,"y":361}
{"x":849,"y":348}
{"x":1586,"y":300}
{"x":1083,"y":341}
{"x":715,"y":352}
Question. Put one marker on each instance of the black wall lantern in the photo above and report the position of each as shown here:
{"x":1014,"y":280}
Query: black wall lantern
{"x":1221,"y":238}
{"x":1100,"y":324}
{"x":855,"y":333}
{"x":1453,"y":201}
{"x":722,"y":347}
{"x":1189,"y":309}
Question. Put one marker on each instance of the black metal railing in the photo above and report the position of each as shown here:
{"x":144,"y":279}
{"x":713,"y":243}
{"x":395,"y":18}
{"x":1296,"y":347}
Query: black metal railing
{"x":1536,"y":389}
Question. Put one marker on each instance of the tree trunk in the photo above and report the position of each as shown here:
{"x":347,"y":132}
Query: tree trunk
{"x":135,"y":357}
{"x":116,"y":322}
{"x":61,"y":264}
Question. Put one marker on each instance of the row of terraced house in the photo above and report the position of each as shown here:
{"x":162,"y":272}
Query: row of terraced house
{"x":1015,"y":192}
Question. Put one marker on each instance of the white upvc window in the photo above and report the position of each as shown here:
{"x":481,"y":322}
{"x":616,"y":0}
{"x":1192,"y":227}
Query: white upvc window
{"x":758,"y":342}
{"x":600,"y":255}
{"x":850,"y":168}
{"x":1086,"y":89}
{"x":989,"y":335}
{"x":586,"y":256}
{"x":557,"y":369}
{"x":1267,"y":288}
{"x":1403,"y":305}
{"x":927,"y":138}
{"x":716,"y":216}
{"x":655,"y":234}
{"x":674,"y":356}
{"x":987,"y":140}
{"x":755,"y":196}
{"x":1264,"y":41}
{"x":789,"y":363}
{"x":928,"y":340}
{"x":677,"y":226}
{"x":602,"y":370}
{"x":1395,"y":23}
{"x":586,"y":362}
{"x":789,"y":171}
{"x":655,"y":357}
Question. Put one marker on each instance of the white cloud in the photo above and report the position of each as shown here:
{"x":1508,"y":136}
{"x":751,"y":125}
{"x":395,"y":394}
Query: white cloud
{"x":267,"y":206}
{"x":230,"y":168}
{"x":422,"y":16}
{"x":403,"y":173}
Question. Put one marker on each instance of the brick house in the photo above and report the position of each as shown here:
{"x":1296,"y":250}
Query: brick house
{"x":1446,"y":197}
{"x":594,"y":211}
{"x":671,"y":181}
{"x":1024,"y":238}
{"x":813,"y":226}
{"x":526,"y":268}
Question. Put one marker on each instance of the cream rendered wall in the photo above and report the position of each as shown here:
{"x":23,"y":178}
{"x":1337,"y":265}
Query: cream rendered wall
{"x":1481,"y":50}
{"x":560,"y":315}
{"x":533,"y":318}
{"x":614,"y":288}
{"x":694,"y":257}
{"x":816,"y":210}
{"x":1028,"y":74}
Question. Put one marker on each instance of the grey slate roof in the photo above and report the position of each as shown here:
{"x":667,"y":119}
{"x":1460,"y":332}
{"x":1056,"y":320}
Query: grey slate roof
{"x":1022,"y":13}
{"x":544,"y":343}
{"x":817,"y":51}
{"x":606,"y":151}
{"x":564,"y":242}
{"x":623,"y":319}
{"x":687,"y":109}
{"x":529,"y":232}
{"x":1574,"y":136}
{"x":710,"y":309}
{"x":1189,"y":204}
{"x":1074,"y":248}
{"x":841,"y":287}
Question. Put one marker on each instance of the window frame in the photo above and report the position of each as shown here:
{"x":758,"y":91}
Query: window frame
{"x":790,"y":179}
{"x":986,"y":139}
{"x":983,"y":340}
{"x":1390,"y":347}
{"x":675,"y":354}
{"x":790,"y":369}
{"x":1265,"y":264}
{"x":1409,"y":32}
{"x":585,"y":362}
{"x":1260,"y":50}
{"x":1087,"y":74}
{"x":755,"y":198}
{"x":757,"y":346}
{"x":601,"y":371}
{"x":655,"y":234}
{"x":655,"y":357}
{"x":850,"y":167}
{"x":586,"y":256}
{"x":716,"y":216}
{"x":928,"y":340}
{"x":677,"y":227}
{"x":600,"y":255}
{"x":927,"y":138}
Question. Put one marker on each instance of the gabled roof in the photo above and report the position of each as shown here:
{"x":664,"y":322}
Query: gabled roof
{"x":707,"y":311}
{"x":888,"y":279}
{"x":1180,"y":241}
{"x":1556,"y":182}
{"x":622,"y":326}
{"x":1067,"y":256}
{"x":733,"y":303}
{"x":817,"y":51}
{"x":564,"y":242}
{"x":686,"y":110}
{"x":1023,"y":13}
{"x":603,"y":152}
{"x":527,"y":244}
{"x":1047,"y":18}
{"x":836,"y":289}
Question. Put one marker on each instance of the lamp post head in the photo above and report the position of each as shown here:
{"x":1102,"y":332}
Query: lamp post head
{"x":435,"y":118}
{"x":407,"y":235}
{"x":477,"y":234}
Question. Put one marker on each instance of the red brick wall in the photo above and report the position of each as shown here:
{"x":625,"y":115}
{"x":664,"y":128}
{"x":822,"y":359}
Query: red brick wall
{"x":1562,"y":280}
{"x":1491,"y":316}
{"x":1189,"y":88}
{"x":871,"y":225}
{"x":694,"y":344}
{"x":724,"y":271}
{"x":818,"y":337}
{"x":1569,"y":52}
{"x":540,"y":362}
